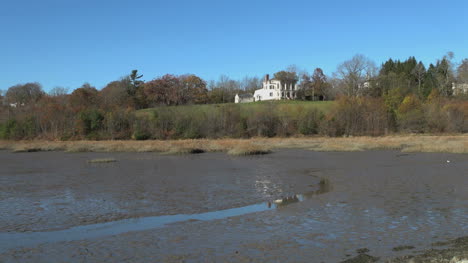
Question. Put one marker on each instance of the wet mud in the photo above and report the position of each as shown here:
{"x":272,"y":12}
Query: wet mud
{"x":289,"y":206}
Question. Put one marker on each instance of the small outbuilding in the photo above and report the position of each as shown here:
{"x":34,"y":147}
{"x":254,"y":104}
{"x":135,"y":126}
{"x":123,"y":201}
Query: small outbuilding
{"x":243,"y":98}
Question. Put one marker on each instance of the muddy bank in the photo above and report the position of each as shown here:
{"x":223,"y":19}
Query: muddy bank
{"x":392,"y":204}
{"x":53,"y":190}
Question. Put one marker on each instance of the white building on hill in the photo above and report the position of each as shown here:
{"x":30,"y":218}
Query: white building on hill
{"x":275,"y":90}
{"x":272,"y":89}
{"x":460,"y":88}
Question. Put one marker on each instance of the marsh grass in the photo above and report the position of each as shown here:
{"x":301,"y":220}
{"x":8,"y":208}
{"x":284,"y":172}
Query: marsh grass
{"x":184,"y":150}
{"x":404,"y":143}
{"x":248,"y":149}
{"x":103,"y":160}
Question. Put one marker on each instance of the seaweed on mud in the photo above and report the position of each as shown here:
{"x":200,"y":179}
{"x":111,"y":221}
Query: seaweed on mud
{"x":362,"y":250}
{"x":400,"y":248}
{"x":458,"y":252}
{"x":361,"y":258}
{"x":103,"y":160}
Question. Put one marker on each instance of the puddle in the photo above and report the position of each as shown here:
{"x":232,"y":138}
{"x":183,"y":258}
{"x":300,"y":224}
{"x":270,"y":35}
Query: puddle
{"x":27,"y":239}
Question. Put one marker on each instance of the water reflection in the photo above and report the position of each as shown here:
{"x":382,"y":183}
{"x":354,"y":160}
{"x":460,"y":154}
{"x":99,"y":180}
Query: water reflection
{"x":324,"y":187}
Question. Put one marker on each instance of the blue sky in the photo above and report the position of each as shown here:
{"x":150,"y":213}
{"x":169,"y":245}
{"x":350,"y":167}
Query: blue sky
{"x":69,"y":42}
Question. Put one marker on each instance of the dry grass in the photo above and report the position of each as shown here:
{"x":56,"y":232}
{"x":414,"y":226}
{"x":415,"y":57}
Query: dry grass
{"x":404,"y":143}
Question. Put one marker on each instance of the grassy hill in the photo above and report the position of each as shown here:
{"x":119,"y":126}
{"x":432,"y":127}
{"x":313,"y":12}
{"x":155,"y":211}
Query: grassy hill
{"x":266,"y":118}
{"x":284,"y":105}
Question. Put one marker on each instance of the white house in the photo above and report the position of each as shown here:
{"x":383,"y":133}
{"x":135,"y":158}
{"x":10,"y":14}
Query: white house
{"x":275,"y":90}
{"x":272,"y":89}
{"x":460,"y":88}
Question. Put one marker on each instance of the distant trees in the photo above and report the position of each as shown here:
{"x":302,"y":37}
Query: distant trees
{"x":84,"y":97}
{"x":58,"y":92}
{"x":315,"y":87}
{"x":287,"y":77}
{"x":2,"y":99}
{"x":419,"y":71}
{"x":412,"y":77}
{"x":402,"y":96}
{"x":445,"y":75}
{"x":223,"y":90}
{"x":23,"y":94}
{"x":134,"y":86}
{"x":462,"y":71}
{"x":250,"y":84}
{"x":193,"y":90}
{"x":116,"y":95}
{"x":176,"y":90}
{"x":354,"y":72}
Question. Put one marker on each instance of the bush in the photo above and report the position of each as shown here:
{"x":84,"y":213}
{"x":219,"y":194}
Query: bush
{"x":90,"y":122}
{"x":410,"y":115}
{"x":141,"y":129}
{"x":457,"y":115}
{"x":357,"y":116}
{"x":262,"y":121}
{"x":436,"y":117}
{"x":309,"y":121}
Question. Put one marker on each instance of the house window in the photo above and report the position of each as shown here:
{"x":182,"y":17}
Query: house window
{"x":271,"y":94}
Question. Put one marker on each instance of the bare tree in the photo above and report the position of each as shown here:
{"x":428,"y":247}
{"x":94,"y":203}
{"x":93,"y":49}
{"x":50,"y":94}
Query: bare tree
{"x":354,"y":72}
{"x":58,"y":92}
{"x":445,"y":74}
{"x":419,"y":72}
{"x":250,"y":84}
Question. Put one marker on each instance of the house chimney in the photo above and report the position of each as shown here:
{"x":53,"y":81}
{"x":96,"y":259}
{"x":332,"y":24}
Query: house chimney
{"x":267,"y":77}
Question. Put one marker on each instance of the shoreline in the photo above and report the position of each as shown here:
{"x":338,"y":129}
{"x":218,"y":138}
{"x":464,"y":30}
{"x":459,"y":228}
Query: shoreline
{"x":252,"y":146}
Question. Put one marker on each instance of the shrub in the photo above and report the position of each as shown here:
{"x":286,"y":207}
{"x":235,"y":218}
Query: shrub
{"x":263,"y":121}
{"x":357,"y":116}
{"x":457,"y":115}
{"x":410,"y":115}
{"x":141,"y":129}
{"x":309,"y":121}
{"x":90,"y":122}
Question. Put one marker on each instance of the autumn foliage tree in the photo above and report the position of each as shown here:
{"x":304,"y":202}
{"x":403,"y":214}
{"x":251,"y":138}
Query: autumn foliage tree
{"x":176,"y":90}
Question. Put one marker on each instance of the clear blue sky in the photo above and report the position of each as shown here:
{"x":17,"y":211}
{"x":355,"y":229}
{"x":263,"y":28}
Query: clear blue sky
{"x":69,"y":42}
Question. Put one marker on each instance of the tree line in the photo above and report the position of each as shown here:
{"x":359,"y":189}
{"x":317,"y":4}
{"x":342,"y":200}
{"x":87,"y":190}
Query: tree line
{"x":398,"y":96}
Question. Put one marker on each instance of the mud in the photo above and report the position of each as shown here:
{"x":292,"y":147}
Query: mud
{"x":381,"y":200}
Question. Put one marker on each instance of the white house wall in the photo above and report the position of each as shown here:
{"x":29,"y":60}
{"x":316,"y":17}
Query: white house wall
{"x":267,"y":94}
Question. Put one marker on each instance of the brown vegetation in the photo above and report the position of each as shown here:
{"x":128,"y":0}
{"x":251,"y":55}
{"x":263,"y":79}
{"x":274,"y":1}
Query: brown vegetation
{"x":404,"y":143}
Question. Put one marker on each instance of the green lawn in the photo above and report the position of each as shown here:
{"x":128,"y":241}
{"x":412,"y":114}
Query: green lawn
{"x":282,"y":105}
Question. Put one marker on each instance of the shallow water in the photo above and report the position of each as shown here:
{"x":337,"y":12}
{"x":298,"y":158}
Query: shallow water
{"x":11,"y":240}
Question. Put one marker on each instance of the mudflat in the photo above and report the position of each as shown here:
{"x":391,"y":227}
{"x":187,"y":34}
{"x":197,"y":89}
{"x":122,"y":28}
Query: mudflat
{"x":288,"y":206}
